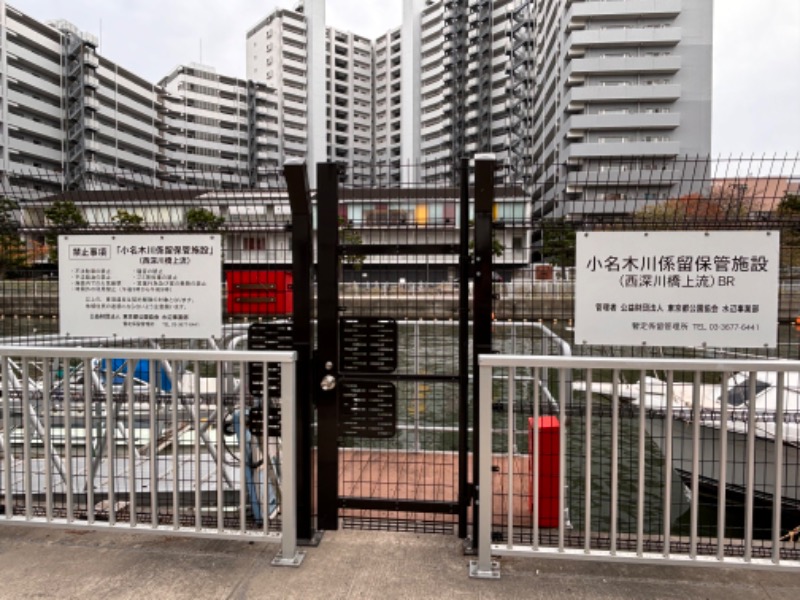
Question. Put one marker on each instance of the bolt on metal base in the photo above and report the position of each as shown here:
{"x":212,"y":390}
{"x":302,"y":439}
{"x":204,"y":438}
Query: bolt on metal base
{"x":477,"y":573}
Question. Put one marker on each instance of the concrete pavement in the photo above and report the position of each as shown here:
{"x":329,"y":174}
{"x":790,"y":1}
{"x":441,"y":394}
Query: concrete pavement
{"x":36,"y":562}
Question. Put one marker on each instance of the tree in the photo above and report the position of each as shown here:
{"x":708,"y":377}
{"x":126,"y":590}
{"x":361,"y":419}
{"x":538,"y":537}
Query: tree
{"x":128,"y":221}
{"x":788,"y":213}
{"x":12,"y":248}
{"x":202,"y":219}
{"x":65,"y":217}
{"x":693,"y":211}
{"x":350,"y":237}
{"x":789,"y":206}
{"x":558,"y":243}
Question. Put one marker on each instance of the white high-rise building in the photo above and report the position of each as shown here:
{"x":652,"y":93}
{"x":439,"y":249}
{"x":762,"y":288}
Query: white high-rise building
{"x":589,"y":103}
{"x":463,"y":75}
{"x":613,"y":93}
{"x":388,"y":112}
{"x":280,"y":52}
{"x":33,"y":144}
{"x":72,"y":119}
{"x":216,"y":128}
{"x":585,"y":96}
{"x":277,"y":55}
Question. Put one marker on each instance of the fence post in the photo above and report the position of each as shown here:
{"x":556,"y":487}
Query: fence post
{"x":463,"y":352}
{"x":484,"y":567}
{"x":327,"y":360}
{"x":481,"y":303}
{"x":289,"y":556}
{"x":296,"y":176}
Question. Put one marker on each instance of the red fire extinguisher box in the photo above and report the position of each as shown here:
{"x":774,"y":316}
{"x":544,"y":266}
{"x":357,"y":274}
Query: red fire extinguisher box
{"x":549,"y":443}
{"x":259,"y":292}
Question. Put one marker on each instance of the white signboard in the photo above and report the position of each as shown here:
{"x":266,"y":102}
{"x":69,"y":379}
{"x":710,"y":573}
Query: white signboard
{"x":677,"y":288}
{"x":149,"y":286}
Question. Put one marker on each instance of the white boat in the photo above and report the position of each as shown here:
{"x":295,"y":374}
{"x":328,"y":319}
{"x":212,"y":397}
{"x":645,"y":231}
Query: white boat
{"x":739,"y":395}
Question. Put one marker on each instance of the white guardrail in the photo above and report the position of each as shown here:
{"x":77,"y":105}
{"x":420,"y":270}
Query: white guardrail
{"x":727,"y":432}
{"x":151,"y":441}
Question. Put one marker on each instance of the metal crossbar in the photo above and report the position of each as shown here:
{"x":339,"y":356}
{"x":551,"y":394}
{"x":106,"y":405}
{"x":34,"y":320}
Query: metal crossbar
{"x":627,"y":450}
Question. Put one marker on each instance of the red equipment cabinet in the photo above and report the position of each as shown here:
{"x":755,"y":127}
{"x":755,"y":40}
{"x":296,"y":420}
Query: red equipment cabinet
{"x":259,"y":292}
{"x":549,"y":444}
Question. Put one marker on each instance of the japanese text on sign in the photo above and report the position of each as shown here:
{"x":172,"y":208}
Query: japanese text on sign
{"x":677,"y":288}
{"x":140,"y":285}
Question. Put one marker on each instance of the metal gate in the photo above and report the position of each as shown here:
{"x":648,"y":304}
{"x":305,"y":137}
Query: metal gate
{"x":390,"y":374}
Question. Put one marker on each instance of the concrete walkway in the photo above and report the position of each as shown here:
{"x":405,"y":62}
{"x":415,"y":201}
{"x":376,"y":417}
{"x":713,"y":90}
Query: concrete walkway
{"x":48,"y":563}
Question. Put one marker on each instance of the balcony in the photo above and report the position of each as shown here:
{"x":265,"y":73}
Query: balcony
{"x":622,"y":93}
{"x":578,"y":68}
{"x":35,"y":150}
{"x":300,"y":81}
{"x":579,"y":14}
{"x":626,"y":149}
{"x":291,"y":146}
{"x":90,"y":60}
{"x":623,"y":177}
{"x":624,"y":36}
{"x":93,"y":146}
{"x":622,"y":121}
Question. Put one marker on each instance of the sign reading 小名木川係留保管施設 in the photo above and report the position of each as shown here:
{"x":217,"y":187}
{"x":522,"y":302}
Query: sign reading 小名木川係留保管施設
{"x":677,"y":288}
{"x":153,"y":286}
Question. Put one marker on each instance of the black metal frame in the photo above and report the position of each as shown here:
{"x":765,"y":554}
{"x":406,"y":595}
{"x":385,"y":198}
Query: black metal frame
{"x":327,"y":355}
{"x":463,"y":351}
{"x":302,"y":266}
{"x":481,"y":304}
{"x":320,"y":377}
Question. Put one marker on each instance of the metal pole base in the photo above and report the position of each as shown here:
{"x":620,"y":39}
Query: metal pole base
{"x":293,"y":561}
{"x":477,"y":573}
{"x":316,"y":540}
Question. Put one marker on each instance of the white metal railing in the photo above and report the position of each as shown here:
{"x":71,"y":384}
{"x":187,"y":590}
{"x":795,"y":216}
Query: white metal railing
{"x":148,"y":440}
{"x":738,"y":435}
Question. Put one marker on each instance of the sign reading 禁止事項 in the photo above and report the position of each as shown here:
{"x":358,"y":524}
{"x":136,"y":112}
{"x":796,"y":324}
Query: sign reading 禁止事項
{"x":677,"y":288}
{"x":153,"y":286}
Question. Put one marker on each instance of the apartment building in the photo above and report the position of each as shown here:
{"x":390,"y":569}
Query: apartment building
{"x":463,"y":76}
{"x":72,"y":119}
{"x":618,"y":90}
{"x":280,"y":52}
{"x":588,"y":103}
{"x":388,"y":108}
{"x":33,"y":103}
{"x":217,"y":130}
{"x":277,"y":55}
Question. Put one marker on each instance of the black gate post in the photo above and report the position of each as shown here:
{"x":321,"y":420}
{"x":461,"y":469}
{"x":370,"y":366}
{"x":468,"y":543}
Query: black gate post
{"x":296,"y":177}
{"x":481,"y":307}
{"x":463,"y":352}
{"x":327,"y":359}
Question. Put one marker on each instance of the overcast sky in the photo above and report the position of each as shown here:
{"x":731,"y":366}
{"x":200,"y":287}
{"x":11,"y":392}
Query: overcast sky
{"x":756,"y":51}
